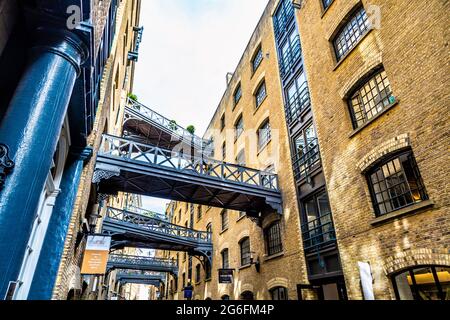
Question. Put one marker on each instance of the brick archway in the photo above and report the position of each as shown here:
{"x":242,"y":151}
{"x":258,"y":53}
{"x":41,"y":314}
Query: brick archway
{"x":416,"y":257}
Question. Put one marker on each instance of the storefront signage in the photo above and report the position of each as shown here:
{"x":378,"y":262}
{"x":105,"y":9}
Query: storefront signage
{"x":96,"y":255}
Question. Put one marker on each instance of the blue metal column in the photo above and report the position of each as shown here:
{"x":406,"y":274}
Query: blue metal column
{"x":52,"y":249}
{"x":30,"y":128}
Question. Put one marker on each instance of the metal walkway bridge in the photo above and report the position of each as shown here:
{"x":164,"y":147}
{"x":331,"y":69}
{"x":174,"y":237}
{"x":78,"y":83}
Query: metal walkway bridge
{"x":140,"y":277}
{"x":129,"y":229}
{"x":129,"y":166}
{"x":148,"y":126}
{"x":130,"y":262}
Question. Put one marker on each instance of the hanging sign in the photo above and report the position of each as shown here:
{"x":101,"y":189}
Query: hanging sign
{"x":226,"y":275}
{"x":96,"y":255}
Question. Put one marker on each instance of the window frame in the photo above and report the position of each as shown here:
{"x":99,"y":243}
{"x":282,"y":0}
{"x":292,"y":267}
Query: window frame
{"x":378,"y":167}
{"x":236,"y":97}
{"x":224,"y":220}
{"x":259,"y":100}
{"x":268,"y":135}
{"x":278,"y":290}
{"x":258,"y":54}
{"x":273,"y":239}
{"x":198,"y":277}
{"x":245,"y":258}
{"x":238,"y":130}
{"x":225,"y":253}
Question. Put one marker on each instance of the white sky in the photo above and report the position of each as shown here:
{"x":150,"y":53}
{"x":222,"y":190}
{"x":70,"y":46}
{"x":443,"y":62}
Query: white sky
{"x":187,"y":48}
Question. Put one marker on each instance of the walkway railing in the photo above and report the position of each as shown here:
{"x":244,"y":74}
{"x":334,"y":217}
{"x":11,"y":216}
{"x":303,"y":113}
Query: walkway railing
{"x":122,"y":261}
{"x":133,"y":151}
{"x":147,"y":213}
{"x":318,"y":233}
{"x":304,"y":163}
{"x":167,"y":124}
{"x":157,"y":226}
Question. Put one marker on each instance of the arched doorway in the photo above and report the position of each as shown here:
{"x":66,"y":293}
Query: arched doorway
{"x":246,"y":295}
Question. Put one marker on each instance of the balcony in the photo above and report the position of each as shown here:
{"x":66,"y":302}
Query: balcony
{"x":307,"y":161}
{"x":318,"y":233}
{"x":297,"y":104}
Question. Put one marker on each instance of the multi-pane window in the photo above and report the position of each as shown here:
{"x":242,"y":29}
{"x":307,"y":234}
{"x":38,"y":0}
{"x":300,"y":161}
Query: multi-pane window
{"x":199,"y":212}
{"x":225,"y":260}
{"x":317,"y":227}
{"x":290,"y":52}
{"x":257,"y":59}
{"x":326,"y":3}
{"x":307,"y":152}
{"x":264,"y":134}
{"x":297,"y":94}
{"x":207,"y":270}
{"x":237,"y":94}
{"x":283,"y":16}
{"x":197,"y":273}
{"x":260,"y":94}
{"x":239,"y":127}
{"x":348,"y":36}
{"x":370,"y":99}
{"x":272,"y":236}
{"x":244,"y":245}
{"x":224,"y":219}
{"x":396,"y":183}
{"x":279,"y":293}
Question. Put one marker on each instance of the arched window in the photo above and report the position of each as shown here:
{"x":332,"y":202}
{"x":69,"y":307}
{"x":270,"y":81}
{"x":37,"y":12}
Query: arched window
{"x":422,"y":283}
{"x":260,"y":94}
{"x":257,"y":58}
{"x":279,"y":293}
{"x":272,"y":237}
{"x":244,"y":245}
{"x":225,"y":297}
{"x":239,"y":127}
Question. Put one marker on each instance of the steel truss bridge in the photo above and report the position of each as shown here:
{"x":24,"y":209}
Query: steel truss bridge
{"x":129,"y":229}
{"x":131,"y":262}
{"x":140,"y":277}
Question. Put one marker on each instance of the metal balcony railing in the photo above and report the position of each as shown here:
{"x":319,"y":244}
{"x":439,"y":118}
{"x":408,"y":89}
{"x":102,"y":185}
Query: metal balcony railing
{"x":290,"y":58}
{"x":147,"y":213}
{"x":132,"y":151}
{"x":170,"y":125}
{"x":157,"y":226}
{"x":299,"y":102}
{"x":119,"y":261}
{"x":318,"y":233}
{"x":305,"y":162}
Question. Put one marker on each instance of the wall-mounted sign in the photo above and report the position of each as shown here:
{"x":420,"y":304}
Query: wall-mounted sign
{"x":96,"y":255}
{"x":226,"y":275}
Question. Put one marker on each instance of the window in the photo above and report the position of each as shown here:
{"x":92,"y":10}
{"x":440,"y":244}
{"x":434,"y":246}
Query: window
{"x":222,"y":122}
{"x":396,"y":183}
{"x":290,"y":52}
{"x":307,"y":152}
{"x":239,"y":127}
{"x":297,"y":95}
{"x":197,"y":273}
{"x":349,"y":35}
{"x":283,"y":16}
{"x":209,"y":228}
{"x":257,"y":59}
{"x":207,"y":270}
{"x":225,"y":261}
{"x":272,"y":236}
{"x":317,"y":225}
{"x":370,"y":99}
{"x":244,"y":245}
{"x":237,"y":94}
{"x":260,"y":94}
{"x":423,"y":283}
{"x":240,"y":158}
{"x":326,"y":4}
{"x":224,"y":219}
{"x":224,"y":150}
{"x":183,"y":279}
{"x":199,"y":212}
{"x":225,"y":297}
{"x":241,"y":214}
{"x":264,"y":134}
{"x":279,"y":293}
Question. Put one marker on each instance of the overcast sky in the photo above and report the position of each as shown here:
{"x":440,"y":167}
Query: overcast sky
{"x":187,"y":49}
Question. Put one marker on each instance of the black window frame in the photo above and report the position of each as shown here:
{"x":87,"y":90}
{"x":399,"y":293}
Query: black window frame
{"x":277,"y":292}
{"x":273,"y":238}
{"x":198,"y":277}
{"x":257,"y":59}
{"x":309,"y":159}
{"x":375,"y":81}
{"x":238,"y":127}
{"x":344,"y":41}
{"x":378,"y":171}
{"x":290,"y":59}
{"x":245,"y":256}
{"x":258,"y":98}
{"x":222,"y":122}
{"x":326,"y":4}
{"x":225,"y":254}
{"x":237,"y":94}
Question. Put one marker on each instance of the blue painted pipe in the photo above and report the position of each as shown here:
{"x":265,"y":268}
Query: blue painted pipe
{"x":31,"y":128}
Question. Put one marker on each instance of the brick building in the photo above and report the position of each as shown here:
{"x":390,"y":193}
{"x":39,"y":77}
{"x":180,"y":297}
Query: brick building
{"x":353,"y":102}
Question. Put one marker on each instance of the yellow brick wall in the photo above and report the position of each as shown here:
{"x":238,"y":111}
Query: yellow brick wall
{"x":412,"y":45}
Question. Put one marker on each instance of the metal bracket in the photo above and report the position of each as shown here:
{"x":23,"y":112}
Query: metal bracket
{"x":6,"y":164}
